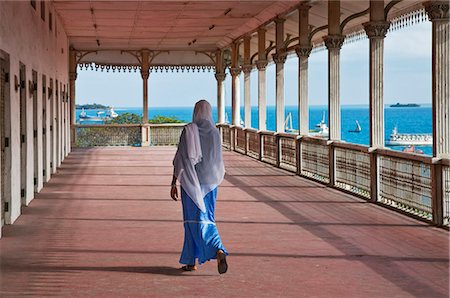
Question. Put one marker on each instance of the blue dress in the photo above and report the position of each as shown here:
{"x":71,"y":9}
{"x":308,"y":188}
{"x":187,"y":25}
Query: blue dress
{"x":201,"y":237}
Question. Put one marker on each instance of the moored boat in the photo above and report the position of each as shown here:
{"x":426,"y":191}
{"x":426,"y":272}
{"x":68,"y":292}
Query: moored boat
{"x":406,"y":139}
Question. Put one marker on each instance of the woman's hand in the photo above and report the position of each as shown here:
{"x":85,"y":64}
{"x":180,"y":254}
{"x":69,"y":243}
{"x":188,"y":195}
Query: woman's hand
{"x":174,"y":192}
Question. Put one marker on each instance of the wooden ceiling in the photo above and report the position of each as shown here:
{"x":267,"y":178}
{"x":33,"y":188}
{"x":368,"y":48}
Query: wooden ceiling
{"x":185,"y":27}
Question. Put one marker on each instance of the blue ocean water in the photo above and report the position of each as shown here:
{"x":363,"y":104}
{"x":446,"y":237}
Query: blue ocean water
{"x":407,"y":120}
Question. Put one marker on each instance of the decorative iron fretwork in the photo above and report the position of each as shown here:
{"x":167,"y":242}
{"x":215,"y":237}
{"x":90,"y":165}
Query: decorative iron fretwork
{"x":409,"y":19}
{"x":153,"y":68}
{"x":437,"y":11}
{"x":376,"y":29}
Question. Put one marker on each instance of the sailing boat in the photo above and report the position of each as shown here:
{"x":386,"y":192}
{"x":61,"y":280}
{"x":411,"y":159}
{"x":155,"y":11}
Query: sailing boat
{"x":288,"y":124}
{"x":357,"y":128}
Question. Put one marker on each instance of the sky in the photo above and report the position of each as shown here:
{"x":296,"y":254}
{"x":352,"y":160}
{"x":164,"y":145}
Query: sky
{"x":407,"y":78}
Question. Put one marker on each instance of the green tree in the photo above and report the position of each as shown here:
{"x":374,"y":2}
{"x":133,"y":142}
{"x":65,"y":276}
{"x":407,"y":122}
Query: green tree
{"x":126,"y":118}
{"x":159,"y":119}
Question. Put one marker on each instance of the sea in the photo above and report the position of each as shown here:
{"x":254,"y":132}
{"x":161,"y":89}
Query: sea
{"x":406,"y":119}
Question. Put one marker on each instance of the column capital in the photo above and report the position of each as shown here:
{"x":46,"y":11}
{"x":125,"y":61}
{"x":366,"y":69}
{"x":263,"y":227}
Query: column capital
{"x":261,"y":65}
{"x":280,"y":58}
{"x":247,"y":68}
{"x":334,"y":42}
{"x":376,"y":29}
{"x":303,"y":51}
{"x":145,"y":73}
{"x":220,"y":76}
{"x":73,"y":75}
{"x":437,"y":10}
{"x":235,"y":71}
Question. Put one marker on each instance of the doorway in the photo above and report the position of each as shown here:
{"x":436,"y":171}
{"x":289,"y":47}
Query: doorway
{"x":23,"y":134}
{"x":34,"y":76}
{"x":44,"y":128}
{"x":5,"y":200}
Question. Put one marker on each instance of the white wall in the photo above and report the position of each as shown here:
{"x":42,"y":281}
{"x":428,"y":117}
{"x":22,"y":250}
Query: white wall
{"x":27,"y":39}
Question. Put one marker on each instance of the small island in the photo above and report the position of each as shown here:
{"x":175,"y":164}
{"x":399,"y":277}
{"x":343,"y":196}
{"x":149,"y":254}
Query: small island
{"x":406,"y":105}
{"x":92,"y":106}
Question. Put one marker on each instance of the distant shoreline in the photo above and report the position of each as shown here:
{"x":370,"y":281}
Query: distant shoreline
{"x":387,"y":105}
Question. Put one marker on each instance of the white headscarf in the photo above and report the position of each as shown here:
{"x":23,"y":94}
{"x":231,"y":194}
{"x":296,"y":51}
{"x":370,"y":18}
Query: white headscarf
{"x":198,"y":163}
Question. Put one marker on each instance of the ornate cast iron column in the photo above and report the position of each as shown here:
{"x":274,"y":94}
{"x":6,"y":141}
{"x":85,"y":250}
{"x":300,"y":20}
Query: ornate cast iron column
{"x":279,"y":58}
{"x":145,"y":67}
{"x":145,"y":72}
{"x":235,"y":71}
{"x":438,"y":13}
{"x":303,"y":51}
{"x":376,"y":31}
{"x":247,"y":68}
{"x":334,"y":42}
{"x":236,"y":95}
{"x":72,"y":78}
{"x":261,"y":65}
{"x":262,"y":103}
{"x":220,"y":77}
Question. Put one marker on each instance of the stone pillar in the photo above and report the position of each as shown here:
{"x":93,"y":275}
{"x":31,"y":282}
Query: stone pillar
{"x":376,"y":31}
{"x":303,"y":51}
{"x":235,"y":96}
{"x":261,"y":65}
{"x":438,"y":13}
{"x":334,"y":44}
{"x":72,"y":78}
{"x":279,"y":58}
{"x":247,"y":103}
{"x":220,"y":77}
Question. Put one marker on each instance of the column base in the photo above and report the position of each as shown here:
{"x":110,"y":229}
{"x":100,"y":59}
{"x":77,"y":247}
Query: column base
{"x":145,"y":135}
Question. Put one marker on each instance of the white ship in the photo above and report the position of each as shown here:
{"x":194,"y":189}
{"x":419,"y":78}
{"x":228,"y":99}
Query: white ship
{"x":407,"y":139}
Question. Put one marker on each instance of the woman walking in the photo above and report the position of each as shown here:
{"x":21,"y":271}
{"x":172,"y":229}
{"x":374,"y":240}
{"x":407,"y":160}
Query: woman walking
{"x":198,"y":165}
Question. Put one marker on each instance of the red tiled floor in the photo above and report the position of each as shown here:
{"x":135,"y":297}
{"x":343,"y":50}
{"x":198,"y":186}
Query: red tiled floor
{"x":105,"y":226}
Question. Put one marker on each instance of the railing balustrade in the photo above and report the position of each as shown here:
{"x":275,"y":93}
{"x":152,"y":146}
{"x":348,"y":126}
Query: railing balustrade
{"x":108,"y":135}
{"x":226,"y":136}
{"x":269,"y":150}
{"x":405,"y":182}
{"x":241,"y":142}
{"x":352,"y":168}
{"x":446,"y":192}
{"x":165,"y":134}
{"x":400,"y":180}
{"x":315,"y":159}
{"x":253,"y":143}
{"x":288,"y":151}
{"x":127,"y":134}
